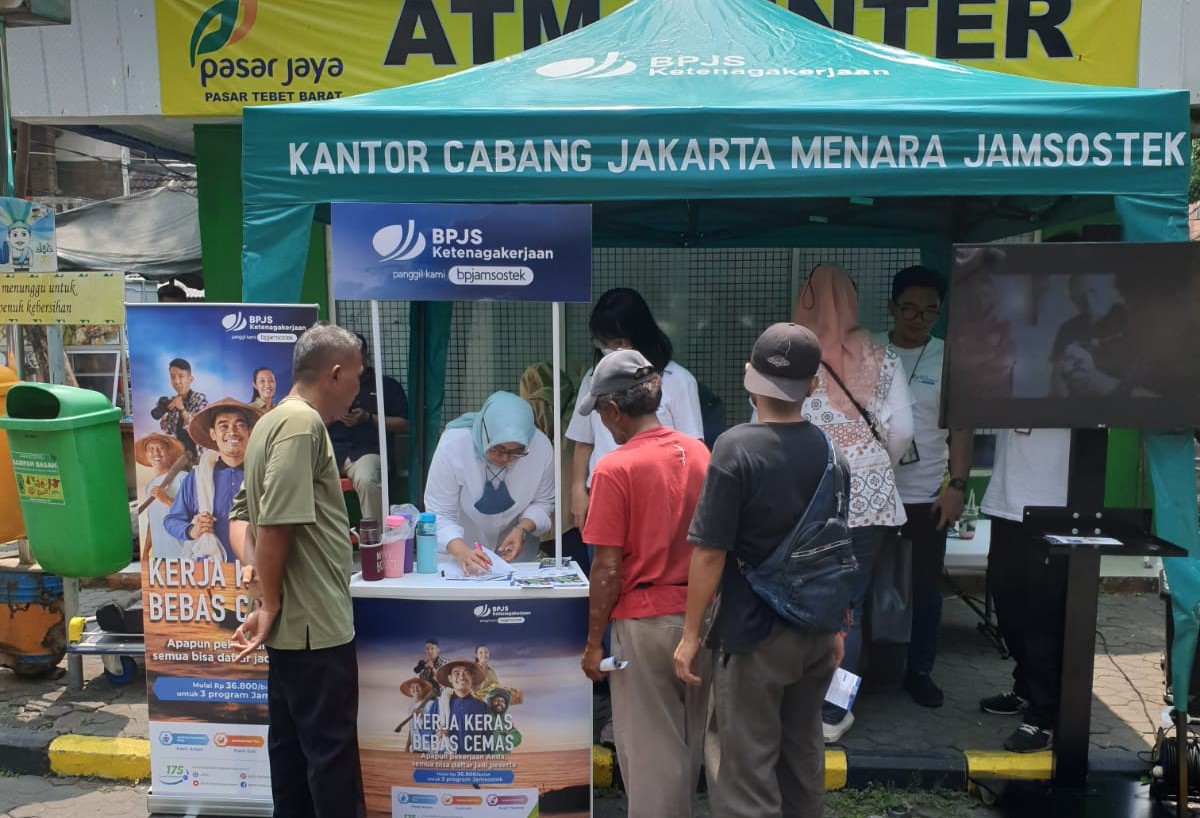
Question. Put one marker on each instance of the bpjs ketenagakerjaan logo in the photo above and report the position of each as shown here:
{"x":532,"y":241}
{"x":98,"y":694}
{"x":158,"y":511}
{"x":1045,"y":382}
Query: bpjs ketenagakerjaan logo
{"x":398,"y":242}
{"x":588,"y":67}
{"x":440,"y":247}
{"x":234,"y":322}
{"x":614,"y":64}
{"x":256,"y":326}
{"x":404,"y":242}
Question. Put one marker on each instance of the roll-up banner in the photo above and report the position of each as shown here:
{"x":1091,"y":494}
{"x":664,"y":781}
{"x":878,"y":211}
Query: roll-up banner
{"x":202,"y":376}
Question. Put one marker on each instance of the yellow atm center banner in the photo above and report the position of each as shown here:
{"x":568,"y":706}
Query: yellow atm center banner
{"x":217,"y":57}
{"x":62,"y":298}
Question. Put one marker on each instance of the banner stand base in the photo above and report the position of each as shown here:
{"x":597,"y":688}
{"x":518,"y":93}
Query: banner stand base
{"x":178,"y":805}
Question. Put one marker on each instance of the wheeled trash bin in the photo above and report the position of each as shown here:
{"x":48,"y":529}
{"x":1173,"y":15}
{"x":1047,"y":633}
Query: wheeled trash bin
{"x":70,"y":476}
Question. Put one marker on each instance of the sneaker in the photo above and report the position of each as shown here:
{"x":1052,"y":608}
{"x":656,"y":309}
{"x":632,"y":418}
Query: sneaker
{"x":923,"y":690}
{"x":835,"y":731}
{"x":1028,"y":738}
{"x":1005,"y":704}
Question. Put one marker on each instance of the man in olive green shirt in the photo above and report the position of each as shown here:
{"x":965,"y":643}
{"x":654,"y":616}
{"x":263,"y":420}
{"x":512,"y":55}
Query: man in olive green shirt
{"x":300,"y":558}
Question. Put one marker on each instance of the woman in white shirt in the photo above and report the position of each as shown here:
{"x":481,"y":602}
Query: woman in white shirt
{"x":861,"y":400}
{"x":491,"y":482}
{"x":621,"y":319}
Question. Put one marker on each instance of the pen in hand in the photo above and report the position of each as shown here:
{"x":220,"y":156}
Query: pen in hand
{"x":479,"y":548}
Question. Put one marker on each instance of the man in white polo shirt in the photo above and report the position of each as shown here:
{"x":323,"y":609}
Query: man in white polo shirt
{"x":1028,"y":586}
{"x":931,"y":501}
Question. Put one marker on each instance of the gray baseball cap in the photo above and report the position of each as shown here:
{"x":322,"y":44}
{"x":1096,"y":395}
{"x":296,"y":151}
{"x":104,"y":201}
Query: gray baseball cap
{"x":616,"y":372}
{"x":785,"y":358}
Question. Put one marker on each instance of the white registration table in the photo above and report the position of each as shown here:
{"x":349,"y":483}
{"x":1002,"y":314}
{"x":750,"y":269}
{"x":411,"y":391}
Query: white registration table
{"x":516,"y":741}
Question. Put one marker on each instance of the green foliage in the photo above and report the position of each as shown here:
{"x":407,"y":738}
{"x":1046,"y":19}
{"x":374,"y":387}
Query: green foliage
{"x":1194,"y":186}
{"x":875,"y":800}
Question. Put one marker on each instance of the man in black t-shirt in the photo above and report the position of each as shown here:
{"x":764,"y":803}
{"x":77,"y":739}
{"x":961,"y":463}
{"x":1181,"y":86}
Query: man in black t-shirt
{"x":1092,"y":353}
{"x":760,"y":480}
{"x":355,"y":436}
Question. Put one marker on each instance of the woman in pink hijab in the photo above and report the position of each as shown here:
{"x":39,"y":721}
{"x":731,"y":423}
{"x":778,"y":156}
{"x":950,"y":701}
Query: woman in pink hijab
{"x":861,"y":400}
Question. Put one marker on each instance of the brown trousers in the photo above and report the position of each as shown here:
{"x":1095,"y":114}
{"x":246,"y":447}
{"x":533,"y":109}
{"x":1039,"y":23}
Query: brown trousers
{"x":765,"y":754}
{"x":658,"y":721}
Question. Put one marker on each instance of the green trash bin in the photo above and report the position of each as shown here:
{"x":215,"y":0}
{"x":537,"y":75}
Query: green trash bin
{"x":69,"y":467}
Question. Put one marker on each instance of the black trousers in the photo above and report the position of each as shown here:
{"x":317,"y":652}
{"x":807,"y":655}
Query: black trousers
{"x":312,"y":700}
{"x":1030,"y":591}
{"x":574,"y":548}
{"x":928,"y":559}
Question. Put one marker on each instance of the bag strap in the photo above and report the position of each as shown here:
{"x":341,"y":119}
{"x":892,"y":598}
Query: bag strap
{"x":866,"y":415}
{"x":831,"y":473}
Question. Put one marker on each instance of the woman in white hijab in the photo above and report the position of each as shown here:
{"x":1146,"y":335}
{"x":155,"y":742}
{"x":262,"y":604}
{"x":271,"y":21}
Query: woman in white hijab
{"x":491,"y":482}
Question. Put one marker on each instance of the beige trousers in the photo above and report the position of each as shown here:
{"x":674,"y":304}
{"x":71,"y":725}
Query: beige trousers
{"x":658,"y":721}
{"x":365,"y":474}
{"x":765,"y":754}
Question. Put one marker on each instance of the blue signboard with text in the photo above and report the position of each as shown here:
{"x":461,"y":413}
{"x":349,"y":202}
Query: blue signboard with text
{"x":462,"y":252}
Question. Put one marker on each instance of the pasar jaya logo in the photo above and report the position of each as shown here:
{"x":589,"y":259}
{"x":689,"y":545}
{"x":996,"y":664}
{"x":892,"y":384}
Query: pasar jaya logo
{"x":218,"y":26}
{"x":227,"y":22}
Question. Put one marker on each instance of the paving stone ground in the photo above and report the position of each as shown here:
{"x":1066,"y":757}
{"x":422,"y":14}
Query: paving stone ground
{"x":1127,"y":687}
{"x":100,"y":709}
{"x":27,"y":796}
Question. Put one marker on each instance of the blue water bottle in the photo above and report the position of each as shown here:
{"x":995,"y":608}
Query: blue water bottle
{"x":427,"y":543}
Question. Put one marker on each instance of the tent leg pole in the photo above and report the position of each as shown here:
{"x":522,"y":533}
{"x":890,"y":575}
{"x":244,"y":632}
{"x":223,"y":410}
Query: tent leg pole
{"x":1181,"y":802}
{"x":380,"y":408}
{"x":557,"y":421}
{"x":421,"y":416}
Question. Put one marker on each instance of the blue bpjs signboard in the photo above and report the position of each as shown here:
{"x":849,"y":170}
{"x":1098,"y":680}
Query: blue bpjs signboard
{"x":462,"y":252}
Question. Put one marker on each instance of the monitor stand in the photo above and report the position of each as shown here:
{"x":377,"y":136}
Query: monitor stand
{"x":1086,"y":516}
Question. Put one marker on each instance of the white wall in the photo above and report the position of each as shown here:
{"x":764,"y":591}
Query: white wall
{"x":1170,"y":39}
{"x":72,"y":147}
{"x":104,"y":64}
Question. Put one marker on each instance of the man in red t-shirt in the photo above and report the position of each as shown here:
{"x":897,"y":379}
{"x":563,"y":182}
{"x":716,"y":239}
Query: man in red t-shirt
{"x":643,"y":497}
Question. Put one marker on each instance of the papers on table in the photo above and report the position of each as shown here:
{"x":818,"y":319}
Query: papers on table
{"x":500,"y":569}
{"x":1058,"y":539}
{"x":549,"y":577}
{"x":545,"y":574}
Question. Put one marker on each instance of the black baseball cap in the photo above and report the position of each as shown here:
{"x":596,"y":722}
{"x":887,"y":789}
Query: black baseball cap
{"x":616,"y":372}
{"x":785,"y":358}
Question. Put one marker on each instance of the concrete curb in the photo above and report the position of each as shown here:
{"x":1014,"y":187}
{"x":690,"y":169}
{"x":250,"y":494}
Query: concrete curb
{"x":26,"y":752}
{"x":40,"y":752}
{"x":117,"y":759}
{"x":604,"y":761}
{"x":957,"y":770}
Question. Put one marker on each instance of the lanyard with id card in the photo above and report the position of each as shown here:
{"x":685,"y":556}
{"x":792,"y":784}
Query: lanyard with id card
{"x":911,"y":454}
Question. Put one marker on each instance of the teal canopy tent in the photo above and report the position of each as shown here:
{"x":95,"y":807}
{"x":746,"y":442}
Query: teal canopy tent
{"x":714,"y":101}
{"x":737,"y":123}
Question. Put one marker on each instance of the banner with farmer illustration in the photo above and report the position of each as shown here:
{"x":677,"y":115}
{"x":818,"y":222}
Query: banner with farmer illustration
{"x":202,"y":376}
{"x":473,"y":708}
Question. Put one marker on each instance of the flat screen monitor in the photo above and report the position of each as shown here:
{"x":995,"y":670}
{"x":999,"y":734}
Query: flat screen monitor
{"x":1074,"y":336}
